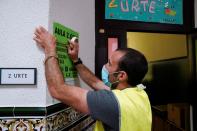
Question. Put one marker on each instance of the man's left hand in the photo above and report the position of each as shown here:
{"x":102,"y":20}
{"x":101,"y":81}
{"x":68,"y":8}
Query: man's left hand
{"x":45,"y":40}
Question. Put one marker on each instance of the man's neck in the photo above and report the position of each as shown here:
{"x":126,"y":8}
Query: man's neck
{"x":122,"y":86}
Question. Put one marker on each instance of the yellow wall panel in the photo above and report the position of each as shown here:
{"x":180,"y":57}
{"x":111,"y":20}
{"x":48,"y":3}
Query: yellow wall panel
{"x":158,"y":46}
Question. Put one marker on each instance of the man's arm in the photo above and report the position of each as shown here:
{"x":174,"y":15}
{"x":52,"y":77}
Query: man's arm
{"x":70,"y":95}
{"x":87,"y":76}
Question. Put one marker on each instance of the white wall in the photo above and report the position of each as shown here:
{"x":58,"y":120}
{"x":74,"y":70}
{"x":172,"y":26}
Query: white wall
{"x":79,"y":16}
{"x":195,"y":13}
{"x":18,"y":19}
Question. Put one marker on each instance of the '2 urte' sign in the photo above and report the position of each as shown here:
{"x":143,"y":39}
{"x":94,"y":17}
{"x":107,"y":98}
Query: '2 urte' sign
{"x":160,"y":11}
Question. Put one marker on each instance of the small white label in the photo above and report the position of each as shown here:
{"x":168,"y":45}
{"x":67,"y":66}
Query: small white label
{"x":18,"y":76}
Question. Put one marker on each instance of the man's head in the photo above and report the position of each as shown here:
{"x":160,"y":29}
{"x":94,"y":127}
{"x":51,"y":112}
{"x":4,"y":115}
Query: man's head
{"x":126,"y":67}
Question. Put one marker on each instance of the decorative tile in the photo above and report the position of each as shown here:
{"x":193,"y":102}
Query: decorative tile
{"x":84,"y":125}
{"x":65,"y":119}
{"x":22,"y":124}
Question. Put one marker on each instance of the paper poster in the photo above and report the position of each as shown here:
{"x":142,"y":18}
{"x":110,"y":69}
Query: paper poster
{"x":63,"y":34}
{"x":160,"y":11}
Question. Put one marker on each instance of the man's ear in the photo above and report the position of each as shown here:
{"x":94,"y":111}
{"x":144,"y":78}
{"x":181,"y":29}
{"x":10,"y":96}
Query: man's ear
{"x":122,"y":76}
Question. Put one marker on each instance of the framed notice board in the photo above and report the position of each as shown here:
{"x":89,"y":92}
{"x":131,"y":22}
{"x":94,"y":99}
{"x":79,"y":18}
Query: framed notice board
{"x":146,"y":15}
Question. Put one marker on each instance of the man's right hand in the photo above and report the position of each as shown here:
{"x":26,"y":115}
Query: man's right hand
{"x":73,"y":50}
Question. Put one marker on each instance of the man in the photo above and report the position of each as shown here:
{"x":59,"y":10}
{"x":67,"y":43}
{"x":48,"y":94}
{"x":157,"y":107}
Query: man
{"x":125,"y":108}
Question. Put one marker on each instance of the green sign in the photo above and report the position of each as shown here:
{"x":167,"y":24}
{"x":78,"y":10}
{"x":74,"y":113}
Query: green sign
{"x":63,"y":34}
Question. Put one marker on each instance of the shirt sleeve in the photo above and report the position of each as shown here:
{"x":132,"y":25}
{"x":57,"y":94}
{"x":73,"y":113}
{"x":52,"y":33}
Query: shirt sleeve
{"x":103,"y":106}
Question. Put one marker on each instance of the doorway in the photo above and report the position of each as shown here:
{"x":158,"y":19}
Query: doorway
{"x":106,"y":42}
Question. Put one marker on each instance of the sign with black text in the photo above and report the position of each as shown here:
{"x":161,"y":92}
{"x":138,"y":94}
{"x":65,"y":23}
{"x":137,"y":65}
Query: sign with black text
{"x":17,"y":76}
{"x":63,"y":35}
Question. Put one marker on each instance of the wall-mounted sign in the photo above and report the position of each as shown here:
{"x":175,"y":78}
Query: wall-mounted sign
{"x":63,"y":35}
{"x":17,"y":76}
{"x":161,"y":11}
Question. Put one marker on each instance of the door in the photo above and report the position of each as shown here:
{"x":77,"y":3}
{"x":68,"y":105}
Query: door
{"x":194,"y":52}
{"x":106,"y":42}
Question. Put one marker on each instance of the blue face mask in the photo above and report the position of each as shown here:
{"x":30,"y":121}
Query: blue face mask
{"x":105,"y":77}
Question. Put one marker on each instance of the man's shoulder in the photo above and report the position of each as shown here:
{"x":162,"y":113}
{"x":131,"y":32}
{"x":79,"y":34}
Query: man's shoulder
{"x":103,"y":106}
{"x":100,"y":93}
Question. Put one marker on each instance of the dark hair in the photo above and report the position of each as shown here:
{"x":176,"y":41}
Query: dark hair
{"x":134,"y":64}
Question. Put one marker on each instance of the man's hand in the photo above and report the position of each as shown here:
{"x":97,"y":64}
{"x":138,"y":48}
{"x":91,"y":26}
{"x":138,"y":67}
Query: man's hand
{"x":45,"y":40}
{"x":73,"y":50}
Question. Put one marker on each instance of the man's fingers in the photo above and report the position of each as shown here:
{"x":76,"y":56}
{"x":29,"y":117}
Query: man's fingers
{"x":77,"y":46}
{"x":69,"y":51}
{"x":42,"y":29}
{"x":71,"y":46}
{"x":38,"y":30}
{"x":37,"y":40}
{"x":74,"y":45}
{"x":37,"y":34}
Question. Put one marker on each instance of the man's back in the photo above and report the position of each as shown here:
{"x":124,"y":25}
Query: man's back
{"x":135,"y":109}
{"x":121,"y":110}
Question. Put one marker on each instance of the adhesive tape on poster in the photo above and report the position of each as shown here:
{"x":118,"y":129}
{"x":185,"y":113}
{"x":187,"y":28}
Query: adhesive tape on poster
{"x":74,"y":39}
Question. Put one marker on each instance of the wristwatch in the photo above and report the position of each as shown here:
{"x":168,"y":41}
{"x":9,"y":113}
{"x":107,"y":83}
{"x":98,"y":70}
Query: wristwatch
{"x":78,"y":62}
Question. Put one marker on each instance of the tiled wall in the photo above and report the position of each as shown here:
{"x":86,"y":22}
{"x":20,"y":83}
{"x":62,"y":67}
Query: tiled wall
{"x":65,"y":119}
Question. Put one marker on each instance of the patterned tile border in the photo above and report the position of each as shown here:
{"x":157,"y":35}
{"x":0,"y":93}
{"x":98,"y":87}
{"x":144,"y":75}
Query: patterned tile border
{"x":86,"y":125}
{"x":22,"y":124}
{"x":63,"y":119}
{"x":50,"y":119}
